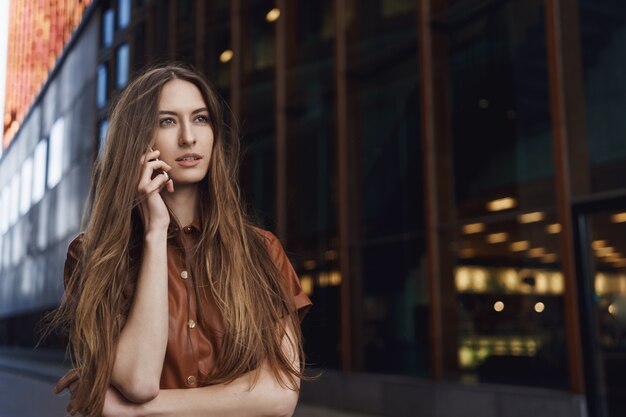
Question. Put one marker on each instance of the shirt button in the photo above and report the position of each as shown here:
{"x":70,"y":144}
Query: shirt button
{"x":184,"y":275}
{"x":191,"y":380}
{"x":191,"y":324}
{"x":187,"y":229}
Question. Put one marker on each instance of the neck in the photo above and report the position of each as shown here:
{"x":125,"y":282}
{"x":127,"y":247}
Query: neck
{"x":183,"y":202}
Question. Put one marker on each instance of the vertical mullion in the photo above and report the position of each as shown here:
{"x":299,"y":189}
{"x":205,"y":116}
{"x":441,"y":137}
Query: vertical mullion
{"x":281,"y":120}
{"x":342,"y":175}
{"x":427,"y":95}
{"x":555,"y":33}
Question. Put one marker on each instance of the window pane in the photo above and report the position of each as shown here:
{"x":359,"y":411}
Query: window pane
{"x":500,"y":249}
{"x":14,"y":205}
{"x":123,"y":13}
{"x":55,"y":156}
{"x":4,"y":220}
{"x":27,"y":182}
{"x":122,"y":66}
{"x":39,"y":176}
{"x":101,"y":95}
{"x":107,"y":28}
{"x":102,"y":130}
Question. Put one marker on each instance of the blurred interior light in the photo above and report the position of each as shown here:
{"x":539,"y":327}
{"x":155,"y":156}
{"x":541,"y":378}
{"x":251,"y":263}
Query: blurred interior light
{"x":462,"y":279}
{"x":597,"y":244}
{"x":618,"y":217}
{"x":520,"y":246}
{"x":467,"y":253}
{"x":471,"y":228}
{"x":330,"y":255}
{"x":306,"y":281}
{"x":607,"y":251}
{"x":533,"y":217}
{"x":612,"y":309}
{"x":536,"y":252}
{"x":549,"y":257}
{"x":272,"y":15}
{"x":483,"y":103}
{"x":501,"y":204}
{"x":309,"y":264}
{"x":226,"y":56}
{"x":498,"y":306}
{"x":497,"y":237}
{"x":539,"y":307}
{"x":553,"y":228}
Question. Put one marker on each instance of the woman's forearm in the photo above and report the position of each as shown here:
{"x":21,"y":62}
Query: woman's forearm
{"x":142,"y":343}
{"x":237,"y":399}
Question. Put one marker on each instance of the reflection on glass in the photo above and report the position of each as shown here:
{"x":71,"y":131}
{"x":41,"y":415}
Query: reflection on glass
{"x":39,"y":176}
{"x":123,"y":13}
{"x":603,"y":40}
{"x":500,"y":242}
{"x":27,"y":182}
{"x":122,"y":66}
{"x":101,"y":94}
{"x":55,"y":156}
{"x":107,"y":28}
{"x":607,"y":232}
{"x":385,"y":169}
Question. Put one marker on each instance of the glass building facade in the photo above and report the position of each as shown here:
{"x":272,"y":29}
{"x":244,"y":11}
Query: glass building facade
{"x":447,"y":177}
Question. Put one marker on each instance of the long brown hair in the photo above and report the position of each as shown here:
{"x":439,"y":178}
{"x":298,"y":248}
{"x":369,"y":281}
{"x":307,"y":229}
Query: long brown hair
{"x":231,"y":258}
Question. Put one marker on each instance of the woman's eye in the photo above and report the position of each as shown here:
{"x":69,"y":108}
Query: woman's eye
{"x":166,"y":121}
{"x":202,"y":119}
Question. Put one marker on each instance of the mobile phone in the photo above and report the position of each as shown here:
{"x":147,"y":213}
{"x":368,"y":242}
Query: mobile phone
{"x":158,"y":171}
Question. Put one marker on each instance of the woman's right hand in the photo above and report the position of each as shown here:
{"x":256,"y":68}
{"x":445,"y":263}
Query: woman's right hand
{"x":152,"y":208}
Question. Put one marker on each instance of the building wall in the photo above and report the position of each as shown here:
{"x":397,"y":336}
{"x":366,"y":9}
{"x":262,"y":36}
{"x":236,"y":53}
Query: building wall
{"x":36,"y":227}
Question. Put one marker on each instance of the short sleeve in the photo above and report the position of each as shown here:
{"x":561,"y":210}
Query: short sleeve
{"x":300,"y":299}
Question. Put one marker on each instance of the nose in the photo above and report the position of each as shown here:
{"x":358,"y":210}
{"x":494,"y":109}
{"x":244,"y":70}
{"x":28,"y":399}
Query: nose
{"x":186,"y":135}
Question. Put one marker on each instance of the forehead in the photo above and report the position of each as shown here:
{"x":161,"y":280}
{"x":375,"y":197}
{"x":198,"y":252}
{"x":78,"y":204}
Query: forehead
{"x":180,"y":94}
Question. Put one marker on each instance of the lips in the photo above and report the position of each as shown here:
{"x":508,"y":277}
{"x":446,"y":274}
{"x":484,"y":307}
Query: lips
{"x":189,"y":157}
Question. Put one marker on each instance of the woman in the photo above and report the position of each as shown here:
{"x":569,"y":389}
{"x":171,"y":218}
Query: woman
{"x":170,"y":287}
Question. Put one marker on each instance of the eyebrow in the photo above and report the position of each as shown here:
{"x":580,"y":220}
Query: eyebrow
{"x":173,"y":113}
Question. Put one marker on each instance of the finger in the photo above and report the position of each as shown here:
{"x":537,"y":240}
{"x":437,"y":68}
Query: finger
{"x":155,"y":185}
{"x":148,"y":156}
{"x":149,"y":169}
{"x":170,"y":186}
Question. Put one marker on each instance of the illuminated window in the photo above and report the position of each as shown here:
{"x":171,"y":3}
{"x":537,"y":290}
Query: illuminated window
{"x":101,"y":95}
{"x":55,"y":156}
{"x":27,"y":183}
{"x":122,"y":66}
{"x":4,"y":208}
{"x":123,"y":13}
{"x":107,"y":28}
{"x":14,"y":199}
{"x":39,"y":171}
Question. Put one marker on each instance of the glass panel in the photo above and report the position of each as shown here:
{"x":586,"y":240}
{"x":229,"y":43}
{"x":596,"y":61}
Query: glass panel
{"x":55,"y":156}
{"x":311,"y":173}
{"x":607,"y":233}
{"x":39,"y":176}
{"x":185,"y":30}
{"x":27,"y":183}
{"x":101,"y":95}
{"x":107,"y":28}
{"x":499,"y":239}
{"x":603,"y":39}
{"x":14,"y":202}
{"x":385,"y":165}
{"x":4,"y":220}
{"x":257,"y":118}
{"x":123,"y":13}
{"x":122,"y":66}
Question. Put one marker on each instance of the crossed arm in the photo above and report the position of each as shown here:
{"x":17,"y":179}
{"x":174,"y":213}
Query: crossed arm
{"x":141,"y":350}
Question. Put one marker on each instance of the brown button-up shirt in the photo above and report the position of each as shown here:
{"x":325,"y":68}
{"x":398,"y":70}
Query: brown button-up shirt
{"x":191,"y":349}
